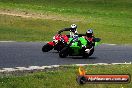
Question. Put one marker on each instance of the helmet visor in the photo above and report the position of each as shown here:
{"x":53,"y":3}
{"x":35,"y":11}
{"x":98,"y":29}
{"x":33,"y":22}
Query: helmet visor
{"x":73,"y":30}
{"x":89,"y":34}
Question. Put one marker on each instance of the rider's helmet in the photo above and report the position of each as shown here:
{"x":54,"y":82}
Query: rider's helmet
{"x":89,"y":33}
{"x":74,"y":27}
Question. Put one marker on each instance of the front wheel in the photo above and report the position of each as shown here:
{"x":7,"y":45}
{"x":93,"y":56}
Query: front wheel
{"x":47,"y":48}
{"x":86,"y":55}
{"x":91,"y":51}
{"x":64,"y":52}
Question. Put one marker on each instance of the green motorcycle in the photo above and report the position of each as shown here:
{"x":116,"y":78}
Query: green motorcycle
{"x":77,"y":47}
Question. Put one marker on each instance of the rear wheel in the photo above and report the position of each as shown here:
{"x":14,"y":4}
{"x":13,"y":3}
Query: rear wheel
{"x":64,"y":52}
{"x":47,"y":48}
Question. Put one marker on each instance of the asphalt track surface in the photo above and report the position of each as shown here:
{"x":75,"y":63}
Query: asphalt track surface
{"x":24,"y":54}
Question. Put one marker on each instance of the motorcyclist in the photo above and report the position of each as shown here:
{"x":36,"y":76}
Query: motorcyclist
{"x":90,"y":40}
{"x":72,"y":29}
{"x":90,"y":36}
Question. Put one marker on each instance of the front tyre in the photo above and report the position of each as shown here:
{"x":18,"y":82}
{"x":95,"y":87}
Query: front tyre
{"x":91,"y":52}
{"x":86,"y":55}
{"x":47,"y":48}
{"x":64,"y":52}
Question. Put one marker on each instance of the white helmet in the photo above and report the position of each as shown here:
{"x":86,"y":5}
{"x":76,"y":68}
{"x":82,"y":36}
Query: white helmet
{"x":74,"y":26}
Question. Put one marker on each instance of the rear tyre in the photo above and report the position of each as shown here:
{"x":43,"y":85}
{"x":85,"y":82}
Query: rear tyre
{"x":64,"y":52}
{"x":47,"y":48}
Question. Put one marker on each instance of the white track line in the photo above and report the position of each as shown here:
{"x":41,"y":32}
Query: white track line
{"x":52,"y":66}
{"x":7,"y":41}
{"x":109,"y":44}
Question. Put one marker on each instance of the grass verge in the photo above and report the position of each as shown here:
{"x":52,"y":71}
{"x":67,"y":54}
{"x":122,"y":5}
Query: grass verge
{"x":110,"y":19}
{"x":64,"y":77}
{"x":17,"y":28}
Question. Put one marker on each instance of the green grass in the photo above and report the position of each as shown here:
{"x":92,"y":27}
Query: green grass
{"x":65,"y":77}
{"x":110,"y":19}
{"x":23,"y":29}
{"x":20,"y":29}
